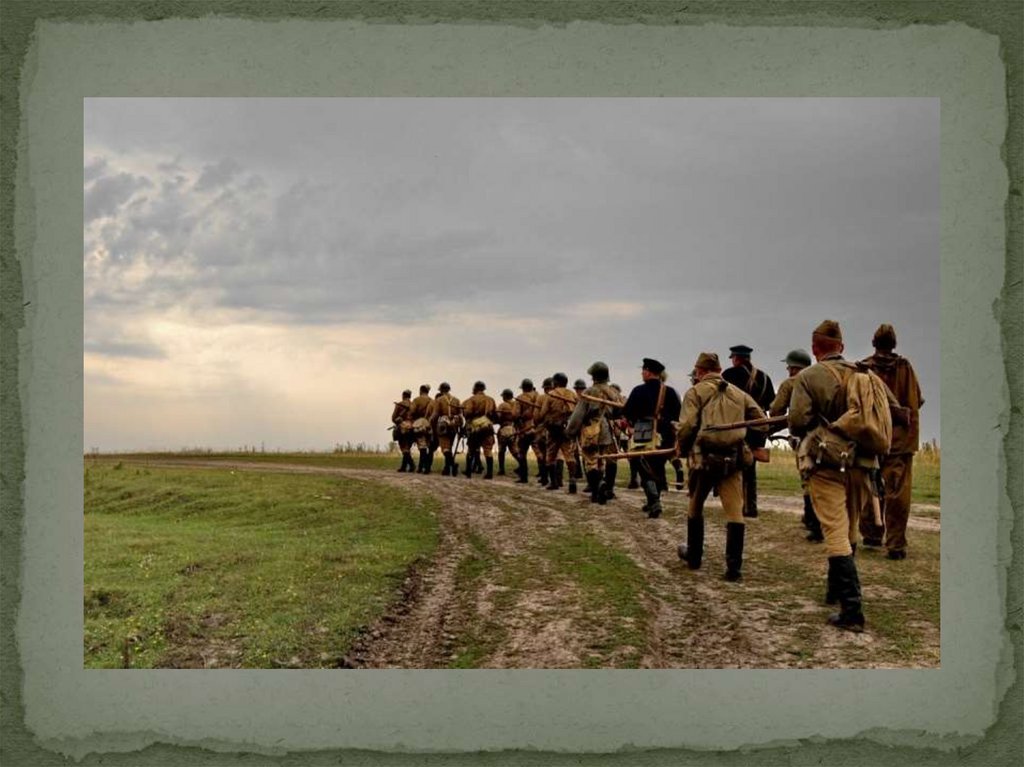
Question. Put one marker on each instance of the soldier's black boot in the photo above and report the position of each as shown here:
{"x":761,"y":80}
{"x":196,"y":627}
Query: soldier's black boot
{"x":608,"y":488}
{"x":831,"y":590}
{"x":490,"y":468}
{"x":402,"y":467}
{"x":446,"y":470}
{"x":555,"y":475}
{"x":410,"y":464}
{"x":653,"y":507}
{"x":850,"y":616}
{"x":692,"y":552}
{"x":522,"y":471}
{"x":421,"y":468}
{"x":574,"y":470}
{"x":501,"y":463}
{"x":430,"y":462}
{"x":470,"y":458}
{"x":734,"y":533}
{"x":750,"y":488}
{"x":813,"y":525}
{"x":594,"y":486}
{"x":634,"y":472}
{"x":679,"y":476}
{"x":542,"y":473}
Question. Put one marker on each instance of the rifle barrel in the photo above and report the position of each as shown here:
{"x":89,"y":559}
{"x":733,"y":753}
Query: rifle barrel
{"x":640,"y":454}
{"x":601,"y":400}
{"x":777,"y":419}
{"x":562,"y":397}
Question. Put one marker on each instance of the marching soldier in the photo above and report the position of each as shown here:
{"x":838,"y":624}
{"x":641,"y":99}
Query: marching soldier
{"x":837,"y":492}
{"x":480,"y":413}
{"x":508,"y":415}
{"x":589,"y":423}
{"x":796,"y":361}
{"x":651,"y":408}
{"x":579,"y":386}
{"x":898,"y":374}
{"x":528,"y":407}
{"x":446,"y":420}
{"x":759,"y":386}
{"x":419,"y":414}
{"x":554,"y":413}
{"x":540,"y":442}
{"x":402,"y":430}
{"x":716,"y":460}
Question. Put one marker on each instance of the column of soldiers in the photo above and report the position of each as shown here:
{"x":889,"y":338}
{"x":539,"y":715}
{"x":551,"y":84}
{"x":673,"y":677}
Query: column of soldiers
{"x":720,"y":427}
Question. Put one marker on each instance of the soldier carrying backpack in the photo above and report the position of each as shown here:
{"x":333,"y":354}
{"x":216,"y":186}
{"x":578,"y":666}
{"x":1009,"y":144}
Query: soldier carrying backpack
{"x":716,"y":459}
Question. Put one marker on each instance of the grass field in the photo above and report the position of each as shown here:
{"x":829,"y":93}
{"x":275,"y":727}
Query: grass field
{"x":222,"y":568}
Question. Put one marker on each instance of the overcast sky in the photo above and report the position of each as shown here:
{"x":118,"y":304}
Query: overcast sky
{"x":276,"y":271}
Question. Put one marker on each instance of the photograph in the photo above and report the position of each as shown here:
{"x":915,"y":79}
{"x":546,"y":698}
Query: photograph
{"x":511,"y":383}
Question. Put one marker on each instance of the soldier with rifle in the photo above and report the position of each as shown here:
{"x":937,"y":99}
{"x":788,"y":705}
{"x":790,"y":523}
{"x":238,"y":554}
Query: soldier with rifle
{"x":446,"y":421}
{"x":650,"y":409}
{"x":508,"y":415}
{"x":528,"y":407}
{"x":554,"y":413}
{"x":402,"y":430}
{"x":540,"y":442}
{"x":716,"y":452}
{"x":419,"y":414}
{"x":480,"y":413}
{"x":759,"y":386}
{"x":589,"y":426}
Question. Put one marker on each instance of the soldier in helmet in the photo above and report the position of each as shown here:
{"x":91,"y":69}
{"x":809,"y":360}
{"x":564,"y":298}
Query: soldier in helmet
{"x":554,"y":414}
{"x":402,"y":430}
{"x":508,"y":415}
{"x":446,"y":419}
{"x":758,"y":385}
{"x":419,"y":414}
{"x":540,"y":442}
{"x":590,"y":424}
{"x":795,"y":361}
{"x":528,"y":408}
{"x":480,"y":413}
{"x":578,"y":387}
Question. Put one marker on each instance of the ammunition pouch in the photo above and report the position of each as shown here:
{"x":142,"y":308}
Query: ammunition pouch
{"x":824,"y":448}
{"x":721,"y":461}
{"x":447,"y":426}
{"x":507,"y":432}
{"x":421,"y":426}
{"x":480,"y":426}
{"x":590,"y":434}
{"x":645,"y":432}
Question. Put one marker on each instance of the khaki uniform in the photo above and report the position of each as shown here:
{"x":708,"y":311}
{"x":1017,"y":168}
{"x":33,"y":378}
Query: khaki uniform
{"x":448,"y":407}
{"x":421,"y":409}
{"x":897,"y":467}
{"x":540,"y":433}
{"x":478,"y":405}
{"x":589,"y":423}
{"x":400,"y":417}
{"x":839,"y":498}
{"x":554,"y":413}
{"x":508,"y":437}
{"x":780,"y":406}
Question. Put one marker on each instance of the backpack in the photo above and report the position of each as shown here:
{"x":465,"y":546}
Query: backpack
{"x":866,"y":421}
{"x":718,"y":410}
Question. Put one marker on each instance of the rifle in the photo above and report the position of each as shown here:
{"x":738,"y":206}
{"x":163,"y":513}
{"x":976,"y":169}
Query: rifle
{"x":601,"y":400}
{"x":772,"y":421}
{"x":404,"y":404}
{"x":570,"y":400}
{"x":640,"y":454}
{"x":527,"y":402}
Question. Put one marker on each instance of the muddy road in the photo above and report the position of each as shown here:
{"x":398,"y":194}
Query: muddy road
{"x":528,"y":578}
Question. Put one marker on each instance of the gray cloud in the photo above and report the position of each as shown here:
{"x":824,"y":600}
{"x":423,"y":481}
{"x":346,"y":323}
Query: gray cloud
{"x":108,"y":193}
{"x":125,"y":349}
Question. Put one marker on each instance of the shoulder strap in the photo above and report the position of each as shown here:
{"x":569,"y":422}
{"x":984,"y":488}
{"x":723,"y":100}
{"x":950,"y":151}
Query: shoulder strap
{"x":661,"y":402}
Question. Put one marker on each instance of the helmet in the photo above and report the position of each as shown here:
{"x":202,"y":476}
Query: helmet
{"x":479,"y":386}
{"x":559,"y":379}
{"x":506,"y":394}
{"x":526,"y":385}
{"x":599,"y":371}
{"x":445,"y":386}
{"x":798,"y":358}
{"x":580,"y":384}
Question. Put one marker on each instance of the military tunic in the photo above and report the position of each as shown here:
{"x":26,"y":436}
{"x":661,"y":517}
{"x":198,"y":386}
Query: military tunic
{"x":589,"y":422}
{"x":554,"y":413}
{"x":402,"y":430}
{"x":642,"y":402}
{"x":445,"y":420}
{"x":421,"y":409}
{"x":476,"y":406}
{"x":508,"y":436}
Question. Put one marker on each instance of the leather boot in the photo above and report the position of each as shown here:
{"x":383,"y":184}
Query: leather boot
{"x":522,"y":472}
{"x":847,"y":584}
{"x":653,"y":506}
{"x":594,"y":486}
{"x":813,"y":525}
{"x":470,"y":459}
{"x":555,"y":475}
{"x":573,"y":471}
{"x":734,"y":533}
{"x":608,"y":489}
{"x":422,"y":467}
{"x":692,"y":552}
{"x":750,"y":490}
{"x":430,"y":462}
{"x":501,"y":463}
{"x":680,"y":479}
{"x":410,"y":464}
{"x":402,"y":467}
{"x":490,"y":468}
{"x":831,"y":590}
{"x":634,"y":473}
{"x":542,"y":474}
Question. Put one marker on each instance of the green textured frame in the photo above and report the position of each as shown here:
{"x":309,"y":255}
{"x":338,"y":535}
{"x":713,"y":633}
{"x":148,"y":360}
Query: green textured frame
{"x":1002,"y":744}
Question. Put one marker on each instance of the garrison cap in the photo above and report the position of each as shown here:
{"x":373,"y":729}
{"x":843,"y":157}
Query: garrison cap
{"x":885,"y":337}
{"x":829,"y":329}
{"x":598,"y":371}
{"x":445,"y":386}
{"x":506,"y":394}
{"x":740,"y":350}
{"x":547,"y":383}
{"x":526,"y":385}
{"x":580,"y":384}
{"x":707,"y":361}
{"x":407,"y":393}
{"x":798,"y":358}
{"x":559,"y":379}
{"x":424,"y":388}
{"x":653,"y":365}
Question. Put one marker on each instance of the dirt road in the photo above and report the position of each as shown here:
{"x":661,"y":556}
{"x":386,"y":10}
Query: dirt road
{"x":527,"y":578}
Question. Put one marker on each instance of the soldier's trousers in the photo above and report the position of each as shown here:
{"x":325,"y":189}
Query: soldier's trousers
{"x":652,"y":469}
{"x":560,"y":445}
{"x":897,"y":476}
{"x":445,"y":442}
{"x":509,"y":443}
{"x":483,"y":441}
{"x":593,"y":456}
{"x":405,"y":443}
{"x":750,"y":489}
{"x":701,"y":482}
{"x":424,"y":441}
{"x":839,"y":498}
{"x":526,"y":441}
{"x":540,"y":445}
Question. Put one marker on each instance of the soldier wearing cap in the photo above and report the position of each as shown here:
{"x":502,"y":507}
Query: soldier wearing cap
{"x":508,"y":415}
{"x":446,"y":420}
{"x":528,"y":408}
{"x":402,"y":430}
{"x":716,"y":459}
{"x":540,"y":440}
{"x":590,"y":424}
{"x":758,"y":385}
{"x":795,"y":361}
{"x":896,"y":467}
{"x":838,"y":493}
{"x":480,"y":413}
{"x":554,"y":414}
{"x":653,"y":402}
{"x":419,"y":414}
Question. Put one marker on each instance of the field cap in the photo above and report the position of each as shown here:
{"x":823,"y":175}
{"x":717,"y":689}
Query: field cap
{"x":798,"y":358}
{"x":829,"y":329}
{"x":708,"y":361}
{"x":740,"y":350}
{"x":653,"y":365}
{"x":885,"y":337}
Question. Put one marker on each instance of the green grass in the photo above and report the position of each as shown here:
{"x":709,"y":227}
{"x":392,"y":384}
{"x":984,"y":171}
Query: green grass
{"x":187,"y":567}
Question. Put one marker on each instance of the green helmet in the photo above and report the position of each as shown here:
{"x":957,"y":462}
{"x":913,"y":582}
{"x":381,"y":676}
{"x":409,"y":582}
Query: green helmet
{"x":798,"y":358}
{"x":506,"y":394}
{"x":598,"y":371}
